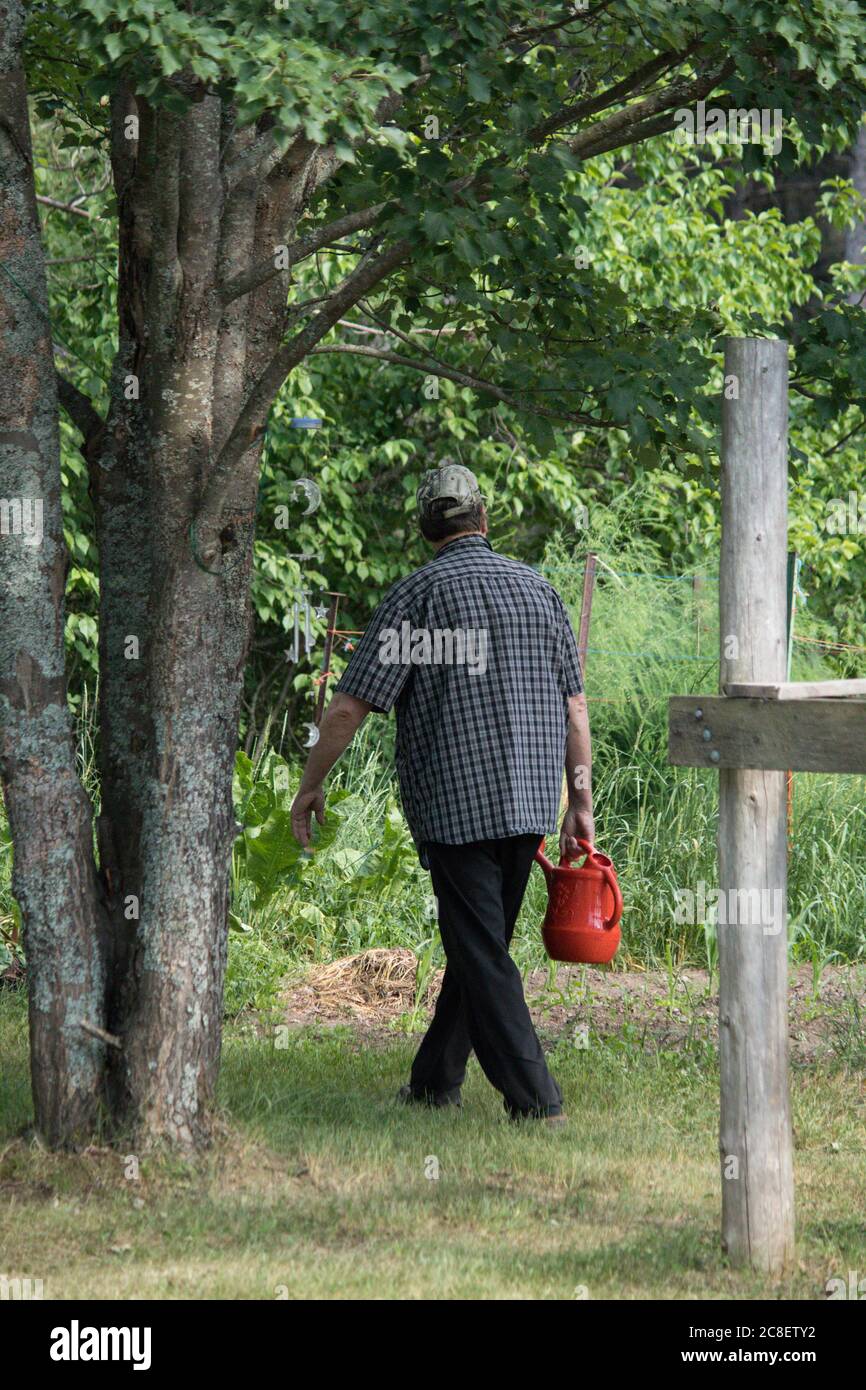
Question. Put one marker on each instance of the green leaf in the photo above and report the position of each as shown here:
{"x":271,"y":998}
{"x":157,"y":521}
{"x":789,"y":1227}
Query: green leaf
{"x":478,"y":85}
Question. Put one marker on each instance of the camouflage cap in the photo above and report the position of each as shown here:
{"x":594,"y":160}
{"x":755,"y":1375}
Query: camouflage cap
{"x":449,"y":482}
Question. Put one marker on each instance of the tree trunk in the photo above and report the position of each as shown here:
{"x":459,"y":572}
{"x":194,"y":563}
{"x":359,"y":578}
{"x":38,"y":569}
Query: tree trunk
{"x":54,"y":876}
{"x":168,"y":818}
{"x":174,"y":481}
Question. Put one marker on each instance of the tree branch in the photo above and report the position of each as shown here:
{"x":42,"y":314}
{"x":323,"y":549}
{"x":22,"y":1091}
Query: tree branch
{"x":387,"y":330}
{"x":635,"y":82}
{"x":248,"y":160}
{"x":299,"y":250}
{"x":251,"y":421}
{"x":538,"y":31}
{"x":62,"y":207}
{"x":636,"y":134}
{"x":435,"y":368}
{"x":618,"y":129}
{"x":611,"y":133}
{"x":82,"y":413}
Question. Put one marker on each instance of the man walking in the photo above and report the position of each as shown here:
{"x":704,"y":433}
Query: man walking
{"x":478,"y":655}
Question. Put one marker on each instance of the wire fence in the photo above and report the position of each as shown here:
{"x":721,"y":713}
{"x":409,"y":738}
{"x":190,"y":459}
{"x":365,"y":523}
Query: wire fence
{"x":642,"y":653}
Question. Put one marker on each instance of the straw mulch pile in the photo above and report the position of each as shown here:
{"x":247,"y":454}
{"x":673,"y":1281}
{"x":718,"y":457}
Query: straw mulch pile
{"x":378,"y":983}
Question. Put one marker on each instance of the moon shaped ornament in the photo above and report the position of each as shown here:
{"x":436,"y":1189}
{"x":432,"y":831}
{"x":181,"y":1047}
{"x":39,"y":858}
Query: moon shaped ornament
{"x":311,"y":492}
{"x":312,"y":736}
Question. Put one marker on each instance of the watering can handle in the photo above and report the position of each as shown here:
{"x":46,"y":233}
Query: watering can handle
{"x":611,"y":880}
{"x":588,"y":849}
{"x":613,"y":885}
{"x":564,"y":859}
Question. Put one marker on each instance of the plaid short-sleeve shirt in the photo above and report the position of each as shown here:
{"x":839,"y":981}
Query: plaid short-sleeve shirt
{"x":478,"y":655}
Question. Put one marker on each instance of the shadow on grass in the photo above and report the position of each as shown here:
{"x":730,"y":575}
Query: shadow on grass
{"x":321,"y":1182}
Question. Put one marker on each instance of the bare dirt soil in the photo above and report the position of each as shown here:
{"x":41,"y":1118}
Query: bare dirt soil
{"x":375,"y":992}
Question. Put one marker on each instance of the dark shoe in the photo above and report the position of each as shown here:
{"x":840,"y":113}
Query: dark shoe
{"x":555,"y":1120}
{"x":436,"y":1100}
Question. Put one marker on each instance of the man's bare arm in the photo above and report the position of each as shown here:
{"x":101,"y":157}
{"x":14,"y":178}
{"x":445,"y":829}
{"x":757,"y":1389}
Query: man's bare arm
{"x":578,"y":822}
{"x":340,"y":722}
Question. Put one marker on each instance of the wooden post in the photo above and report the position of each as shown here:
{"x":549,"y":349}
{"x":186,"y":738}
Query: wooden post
{"x":586,"y":612}
{"x":326,"y":656}
{"x":755,"y":1132}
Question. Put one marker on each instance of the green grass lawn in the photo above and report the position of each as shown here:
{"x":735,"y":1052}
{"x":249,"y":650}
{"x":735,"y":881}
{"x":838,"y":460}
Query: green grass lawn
{"x":319,"y":1186}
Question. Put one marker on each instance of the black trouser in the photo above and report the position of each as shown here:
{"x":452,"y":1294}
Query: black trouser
{"x":481,"y":1005}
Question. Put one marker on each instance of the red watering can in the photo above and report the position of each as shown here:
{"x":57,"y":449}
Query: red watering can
{"x":584,"y":906}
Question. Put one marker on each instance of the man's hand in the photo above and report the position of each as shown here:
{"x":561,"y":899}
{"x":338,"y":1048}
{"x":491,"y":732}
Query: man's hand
{"x":577,"y":824}
{"x":303,"y":806}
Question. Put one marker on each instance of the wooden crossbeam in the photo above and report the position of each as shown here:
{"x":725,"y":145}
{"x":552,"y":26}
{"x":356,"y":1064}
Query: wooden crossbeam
{"x":813,"y":735}
{"x":797,"y":690}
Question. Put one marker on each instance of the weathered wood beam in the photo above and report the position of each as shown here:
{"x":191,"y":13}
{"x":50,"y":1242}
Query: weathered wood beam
{"x":797,"y":690}
{"x":755,"y":1139}
{"x":824,"y":735}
